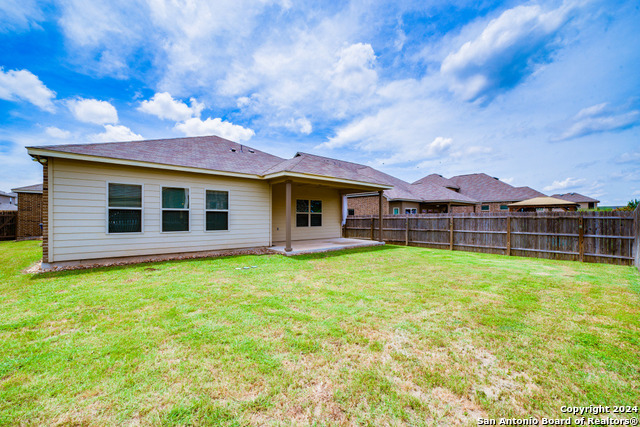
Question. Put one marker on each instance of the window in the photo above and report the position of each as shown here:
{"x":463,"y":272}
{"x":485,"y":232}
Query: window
{"x":125,"y":208}
{"x":504,"y":207}
{"x":484,"y":207}
{"x":308,"y":213}
{"x":351,"y":211}
{"x":217,"y":210}
{"x":411,"y":211}
{"x":175,"y":209}
{"x":396,"y":211}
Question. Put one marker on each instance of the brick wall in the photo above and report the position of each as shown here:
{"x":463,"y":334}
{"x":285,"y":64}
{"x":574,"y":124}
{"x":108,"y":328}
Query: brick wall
{"x":367,"y":205}
{"x":463,"y":209}
{"x":29,"y":215}
{"x":493,"y":207}
{"x":45,"y":212}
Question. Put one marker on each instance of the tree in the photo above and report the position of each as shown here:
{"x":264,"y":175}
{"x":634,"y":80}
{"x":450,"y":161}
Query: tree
{"x":633,"y":204}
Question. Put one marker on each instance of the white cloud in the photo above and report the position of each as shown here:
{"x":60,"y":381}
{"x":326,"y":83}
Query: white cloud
{"x":93,"y":111}
{"x":196,"y":127}
{"x":564,"y":184}
{"x":19,"y":14}
{"x":507,"y":180}
{"x":418,"y":151}
{"x":598,"y":119}
{"x":504,"y":52}
{"x":353,"y":72}
{"x":163,"y":105}
{"x":629,"y":157}
{"x":26,"y":86}
{"x":301,"y":125}
{"x":57,"y":133}
{"x":472,"y":151}
{"x":115,"y":133}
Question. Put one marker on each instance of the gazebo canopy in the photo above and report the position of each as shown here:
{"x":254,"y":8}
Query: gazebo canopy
{"x":543,"y":202}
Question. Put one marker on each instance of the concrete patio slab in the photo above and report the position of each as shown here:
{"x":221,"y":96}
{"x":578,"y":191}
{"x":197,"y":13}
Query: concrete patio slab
{"x":300,"y":247}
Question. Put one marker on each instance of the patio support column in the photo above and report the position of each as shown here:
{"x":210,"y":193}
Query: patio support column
{"x":287,"y":246}
{"x":380,"y":216}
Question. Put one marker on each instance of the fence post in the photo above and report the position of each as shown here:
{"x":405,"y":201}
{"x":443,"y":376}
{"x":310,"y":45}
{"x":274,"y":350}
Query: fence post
{"x":451,"y":232}
{"x":508,"y":234}
{"x":372,"y":228}
{"x":406,"y":231}
{"x":581,"y":238}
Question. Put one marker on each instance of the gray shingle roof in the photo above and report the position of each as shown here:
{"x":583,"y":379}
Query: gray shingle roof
{"x":439,"y":180}
{"x":326,"y":166}
{"x":485,"y":188}
{"x":575,"y":197}
{"x":203,"y":152}
{"x":36,"y":188}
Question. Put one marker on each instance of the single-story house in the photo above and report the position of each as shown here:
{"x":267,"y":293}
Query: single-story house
{"x":8,"y":201}
{"x":29,"y":211}
{"x":492,"y":194}
{"x":181,"y":195}
{"x":404,"y":198}
{"x":477,"y":192}
{"x":543,"y":204}
{"x":585,"y":202}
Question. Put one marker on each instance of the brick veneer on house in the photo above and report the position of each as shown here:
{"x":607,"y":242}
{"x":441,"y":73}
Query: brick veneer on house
{"x":29,"y":215}
{"x":367,"y":205}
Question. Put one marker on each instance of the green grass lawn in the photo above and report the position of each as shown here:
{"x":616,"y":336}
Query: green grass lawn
{"x":393,"y":335}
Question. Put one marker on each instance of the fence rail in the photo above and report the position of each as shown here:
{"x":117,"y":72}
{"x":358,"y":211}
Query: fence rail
{"x":8,"y":221}
{"x":602,"y":237}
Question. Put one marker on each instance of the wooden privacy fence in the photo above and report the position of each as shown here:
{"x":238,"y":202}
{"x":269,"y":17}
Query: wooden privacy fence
{"x":8,"y":220}
{"x":603,"y":237}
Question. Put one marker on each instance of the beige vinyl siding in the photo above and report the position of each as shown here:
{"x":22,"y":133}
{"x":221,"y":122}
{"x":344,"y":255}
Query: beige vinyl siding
{"x":79,"y":208}
{"x":331,"y":213}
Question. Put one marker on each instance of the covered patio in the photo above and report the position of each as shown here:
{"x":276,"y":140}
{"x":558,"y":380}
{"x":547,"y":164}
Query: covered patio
{"x":322,"y":245}
{"x":308,"y":214}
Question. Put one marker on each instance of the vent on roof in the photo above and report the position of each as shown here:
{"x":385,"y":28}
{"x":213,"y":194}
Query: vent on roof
{"x":233,"y":150}
{"x":251,"y":151}
{"x":496,"y":178}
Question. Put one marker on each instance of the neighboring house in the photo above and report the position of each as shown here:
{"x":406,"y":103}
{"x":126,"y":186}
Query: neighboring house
{"x":8,"y":201}
{"x":492,"y":194}
{"x":434,"y":193}
{"x":584,"y":201}
{"x":424,"y":196}
{"x":29,"y":211}
{"x":188,"y":195}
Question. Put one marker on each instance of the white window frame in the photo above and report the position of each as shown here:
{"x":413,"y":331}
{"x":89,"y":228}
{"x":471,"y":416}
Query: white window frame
{"x":174,"y":209}
{"x":309,"y":213}
{"x":396,"y":211}
{"x":228,"y":210}
{"x":485,"y":210}
{"x":412,"y":211}
{"x":141,"y":208}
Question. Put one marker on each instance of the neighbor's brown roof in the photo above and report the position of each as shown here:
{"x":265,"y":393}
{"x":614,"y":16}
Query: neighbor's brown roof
{"x":36,"y":188}
{"x":203,"y":152}
{"x":485,"y":188}
{"x":545,"y":201}
{"x":439,"y":180}
{"x":576,"y":197}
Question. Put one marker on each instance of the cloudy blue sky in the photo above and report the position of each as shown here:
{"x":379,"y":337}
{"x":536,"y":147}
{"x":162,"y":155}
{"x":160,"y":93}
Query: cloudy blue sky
{"x":545,"y":94}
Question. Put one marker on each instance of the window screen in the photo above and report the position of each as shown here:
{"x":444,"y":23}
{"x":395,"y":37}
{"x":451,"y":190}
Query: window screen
{"x":175,"y":209}
{"x":124,"y":208}
{"x":217,"y":210}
